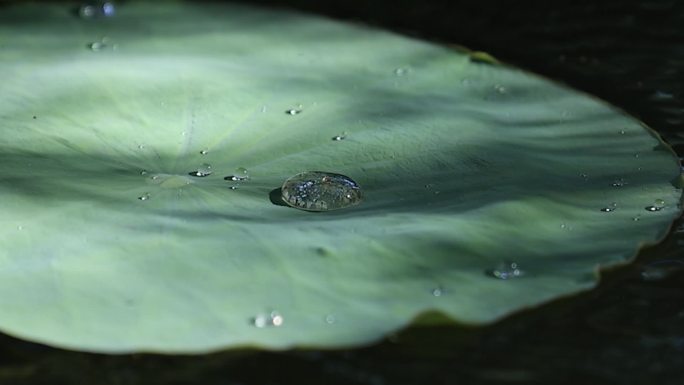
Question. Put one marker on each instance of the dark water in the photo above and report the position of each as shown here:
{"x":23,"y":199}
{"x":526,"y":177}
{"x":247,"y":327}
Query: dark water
{"x":630,"y":330}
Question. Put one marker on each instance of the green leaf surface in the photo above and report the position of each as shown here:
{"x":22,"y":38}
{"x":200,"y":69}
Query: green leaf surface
{"x":463,"y":165}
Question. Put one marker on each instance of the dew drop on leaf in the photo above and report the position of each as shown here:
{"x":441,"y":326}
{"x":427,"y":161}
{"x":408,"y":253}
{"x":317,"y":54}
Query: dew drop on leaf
{"x":506,"y":270}
{"x":96,"y":9}
{"x":241,"y":174}
{"x":320,"y":191}
{"x":203,"y":170}
{"x":144,"y":197}
{"x":438,"y":291}
{"x":266,"y":320}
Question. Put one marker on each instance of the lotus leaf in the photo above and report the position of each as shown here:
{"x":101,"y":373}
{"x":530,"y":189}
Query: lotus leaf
{"x":141,"y":154}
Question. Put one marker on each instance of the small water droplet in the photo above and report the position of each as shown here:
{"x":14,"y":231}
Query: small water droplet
{"x":584,"y":176}
{"x":653,"y":208}
{"x":636,"y":218}
{"x":204,"y":152}
{"x":659,"y":202}
{"x":141,"y":146}
{"x":320,"y":191}
{"x":144,"y":197}
{"x":203,"y":170}
{"x":438,"y":291}
{"x":342,"y":136}
{"x":265,"y":320}
{"x":96,"y":9}
{"x":618,"y":183}
{"x":263,"y":109}
{"x":401,"y":71}
{"x":608,"y":209}
{"x":20,"y":227}
{"x":636,"y":155}
{"x":330,"y":319}
{"x":622,"y":132}
{"x":96,"y":46}
{"x":233,"y":187}
{"x":500,"y":89}
{"x":294,"y":111}
{"x":506,"y":270}
{"x":429,"y":186}
{"x":143,"y":172}
{"x":241,"y":174}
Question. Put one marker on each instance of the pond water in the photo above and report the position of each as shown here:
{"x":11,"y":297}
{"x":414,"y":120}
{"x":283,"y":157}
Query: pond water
{"x":630,"y":330}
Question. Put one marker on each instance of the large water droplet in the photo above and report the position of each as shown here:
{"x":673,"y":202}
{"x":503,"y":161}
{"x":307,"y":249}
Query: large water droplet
{"x":506,"y":270}
{"x":265,"y":320}
{"x":203,"y":170}
{"x":320,"y":191}
{"x":653,"y":208}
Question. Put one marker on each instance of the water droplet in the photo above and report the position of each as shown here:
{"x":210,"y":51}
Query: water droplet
{"x":636,"y":218}
{"x":636,"y":155}
{"x":506,"y":270}
{"x":141,"y":146}
{"x":143,"y":172}
{"x":438,"y":291}
{"x":233,"y":187}
{"x":265,"y":320}
{"x":337,"y":138}
{"x":20,"y":227}
{"x":500,"y":89}
{"x":96,"y":46}
{"x":330,"y":319}
{"x":204,"y":152}
{"x":622,"y":132}
{"x":401,"y":71}
{"x":96,"y":9}
{"x":653,"y":208}
{"x":659,"y":202}
{"x":429,"y":186}
{"x":263,"y":109}
{"x":241,"y":174}
{"x":320,"y":191}
{"x":618,"y":183}
{"x":294,"y":111}
{"x":608,"y":209}
{"x":203,"y":170}
{"x":144,"y":197}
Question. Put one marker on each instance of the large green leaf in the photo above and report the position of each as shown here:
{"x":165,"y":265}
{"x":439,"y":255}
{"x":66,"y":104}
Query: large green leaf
{"x":464,"y":166}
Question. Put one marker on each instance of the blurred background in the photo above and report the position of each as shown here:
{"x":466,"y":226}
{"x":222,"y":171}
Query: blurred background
{"x":630,"y":330}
